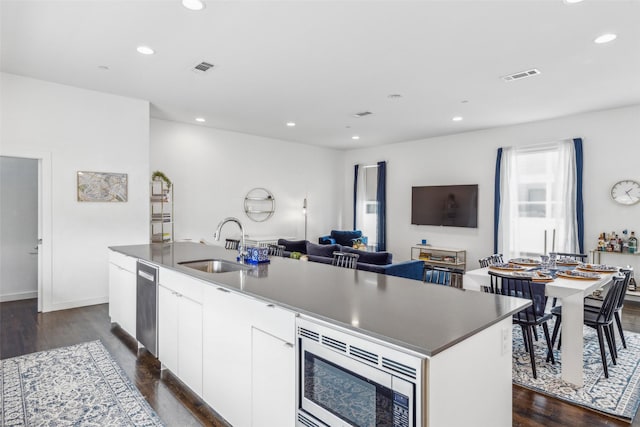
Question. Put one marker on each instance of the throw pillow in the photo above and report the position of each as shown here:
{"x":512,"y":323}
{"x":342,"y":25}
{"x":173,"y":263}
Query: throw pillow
{"x":322,"y":250}
{"x":294,"y":245}
{"x":345,"y":237}
{"x":376,"y":258}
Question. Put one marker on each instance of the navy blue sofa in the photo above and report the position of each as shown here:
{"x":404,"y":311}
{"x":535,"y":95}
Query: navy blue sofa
{"x":343,"y":237}
{"x":377,"y":262}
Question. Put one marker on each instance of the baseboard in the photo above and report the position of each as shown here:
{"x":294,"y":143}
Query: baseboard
{"x":18,"y":296}
{"x":74,"y":304}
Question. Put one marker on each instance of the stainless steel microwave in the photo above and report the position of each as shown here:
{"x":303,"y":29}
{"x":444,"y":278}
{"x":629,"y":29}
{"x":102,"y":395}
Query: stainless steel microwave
{"x":349,"y":381}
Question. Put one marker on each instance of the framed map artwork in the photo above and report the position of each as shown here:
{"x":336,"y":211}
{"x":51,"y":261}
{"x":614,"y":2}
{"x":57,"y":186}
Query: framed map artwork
{"x":102,"y":187}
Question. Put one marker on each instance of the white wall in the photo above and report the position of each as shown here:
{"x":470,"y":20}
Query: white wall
{"x":212,"y":170}
{"x":18,"y":228}
{"x":90,"y":131}
{"x":611,"y":153}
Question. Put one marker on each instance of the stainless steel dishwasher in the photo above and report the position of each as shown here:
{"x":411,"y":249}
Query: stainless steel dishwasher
{"x":147,"y":306}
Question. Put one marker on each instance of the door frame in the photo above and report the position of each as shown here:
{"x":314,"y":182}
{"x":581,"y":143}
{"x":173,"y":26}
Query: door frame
{"x":45,"y":244}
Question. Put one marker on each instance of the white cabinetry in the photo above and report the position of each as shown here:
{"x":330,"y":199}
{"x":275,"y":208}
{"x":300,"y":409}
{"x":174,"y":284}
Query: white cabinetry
{"x":122,"y":291}
{"x":180,"y":327}
{"x":273,"y":381}
{"x":244,"y":380}
{"x":227,"y":350}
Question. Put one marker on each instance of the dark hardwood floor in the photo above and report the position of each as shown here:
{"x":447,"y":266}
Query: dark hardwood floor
{"x":23,"y":331}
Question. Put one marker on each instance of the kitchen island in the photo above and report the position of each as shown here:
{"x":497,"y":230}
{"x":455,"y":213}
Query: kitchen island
{"x":463,"y":339}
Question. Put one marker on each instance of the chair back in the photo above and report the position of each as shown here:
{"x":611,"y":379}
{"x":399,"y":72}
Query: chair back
{"x":276,"y":250}
{"x":231,"y":244}
{"x":611,"y":300}
{"x":626,"y":272}
{"x":436,"y":275}
{"x":346,"y":260}
{"x":521,"y":287}
{"x":490,"y":260}
{"x":577,"y":257}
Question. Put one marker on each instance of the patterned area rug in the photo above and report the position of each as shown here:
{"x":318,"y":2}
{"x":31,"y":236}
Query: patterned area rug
{"x":76,"y":385}
{"x":618,"y":395}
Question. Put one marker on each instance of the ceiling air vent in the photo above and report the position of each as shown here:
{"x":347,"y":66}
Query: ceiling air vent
{"x":202,"y":67}
{"x":521,"y":75}
{"x":363,"y":114}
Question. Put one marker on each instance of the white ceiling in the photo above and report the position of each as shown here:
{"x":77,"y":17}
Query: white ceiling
{"x":319,"y":62}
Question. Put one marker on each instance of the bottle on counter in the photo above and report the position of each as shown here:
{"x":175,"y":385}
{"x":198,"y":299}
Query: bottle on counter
{"x":633,"y":243}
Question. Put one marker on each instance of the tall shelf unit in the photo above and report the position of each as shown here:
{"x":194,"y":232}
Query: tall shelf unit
{"x":161,"y":208}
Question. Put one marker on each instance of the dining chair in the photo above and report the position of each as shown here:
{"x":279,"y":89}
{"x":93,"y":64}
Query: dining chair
{"x":276,"y":250}
{"x":601,"y":321}
{"x":530,"y":317}
{"x":577,"y":257}
{"x":346,"y":260}
{"x":231,"y":244}
{"x":594,"y":304}
{"x":490,"y":260}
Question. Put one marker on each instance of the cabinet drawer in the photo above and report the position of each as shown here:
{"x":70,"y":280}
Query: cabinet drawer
{"x":126,"y":262}
{"x":184,"y":285}
{"x":275,"y":320}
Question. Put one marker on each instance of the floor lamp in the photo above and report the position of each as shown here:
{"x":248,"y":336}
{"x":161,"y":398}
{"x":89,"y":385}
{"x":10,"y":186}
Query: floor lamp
{"x":304,"y":212}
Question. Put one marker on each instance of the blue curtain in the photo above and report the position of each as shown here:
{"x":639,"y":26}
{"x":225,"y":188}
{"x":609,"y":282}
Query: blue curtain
{"x":355,"y":195}
{"x":496,"y":202}
{"x":381,"y":197}
{"x":577,"y":143}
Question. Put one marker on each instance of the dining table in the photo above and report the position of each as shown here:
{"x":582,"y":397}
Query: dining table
{"x":571,"y":292}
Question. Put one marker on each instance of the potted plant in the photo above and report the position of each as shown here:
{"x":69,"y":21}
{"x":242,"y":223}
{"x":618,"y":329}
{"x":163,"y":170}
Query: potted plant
{"x":160,"y":176}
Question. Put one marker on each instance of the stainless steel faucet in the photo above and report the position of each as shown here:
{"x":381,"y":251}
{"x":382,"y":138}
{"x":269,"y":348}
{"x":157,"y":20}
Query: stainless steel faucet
{"x":241,"y":248}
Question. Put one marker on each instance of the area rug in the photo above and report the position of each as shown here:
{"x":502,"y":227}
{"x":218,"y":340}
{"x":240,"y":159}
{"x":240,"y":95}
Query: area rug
{"x":80,"y":385}
{"x":617,"y":396}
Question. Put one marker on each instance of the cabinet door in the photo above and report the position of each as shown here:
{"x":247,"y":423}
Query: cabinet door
{"x":168,"y":328}
{"x":129,"y":292}
{"x":122,"y":298}
{"x":272,"y":380}
{"x":115,"y":297}
{"x":189,"y":336}
{"x":227,"y":355}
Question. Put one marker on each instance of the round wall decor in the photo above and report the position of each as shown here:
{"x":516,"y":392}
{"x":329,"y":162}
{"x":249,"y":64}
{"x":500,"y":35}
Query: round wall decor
{"x":626,"y":192}
{"x":259,"y":204}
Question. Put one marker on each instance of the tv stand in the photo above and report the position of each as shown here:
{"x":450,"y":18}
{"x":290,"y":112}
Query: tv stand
{"x":455,"y":259}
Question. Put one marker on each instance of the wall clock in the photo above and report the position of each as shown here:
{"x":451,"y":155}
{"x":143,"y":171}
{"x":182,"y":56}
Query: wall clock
{"x":626,"y":192}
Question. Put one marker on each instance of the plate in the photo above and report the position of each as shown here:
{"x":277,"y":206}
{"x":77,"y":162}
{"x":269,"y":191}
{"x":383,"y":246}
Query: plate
{"x":524,"y":261}
{"x":505,"y":266}
{"x":578,"y":275}
{"x":598,"y":268}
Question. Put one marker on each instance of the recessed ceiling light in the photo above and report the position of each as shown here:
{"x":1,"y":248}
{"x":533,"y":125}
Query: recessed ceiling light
{"x":291,"y":124}
{"x":457,"y":119}
{"x":145,"y":50}
{"x":605,"y":38}
{"x":200,"y":119}
{"x":355,"y":137}
{"x":572,"y":1}
{"x":193,"y":4}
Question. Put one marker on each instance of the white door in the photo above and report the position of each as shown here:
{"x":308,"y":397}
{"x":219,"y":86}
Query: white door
{"x":18,"y":228}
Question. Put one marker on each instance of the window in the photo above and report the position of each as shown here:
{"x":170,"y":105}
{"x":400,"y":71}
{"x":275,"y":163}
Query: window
{"x":366,"y":203}
{"x":369,"y":203}
{"x":539,"y":204}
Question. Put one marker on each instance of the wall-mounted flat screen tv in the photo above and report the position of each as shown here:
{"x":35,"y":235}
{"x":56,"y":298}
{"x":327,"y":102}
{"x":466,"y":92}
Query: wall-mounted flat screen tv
{"x":446,"y":205}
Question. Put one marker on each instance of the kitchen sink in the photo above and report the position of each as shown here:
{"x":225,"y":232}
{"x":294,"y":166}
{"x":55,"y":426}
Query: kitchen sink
{"x":214,"y":265}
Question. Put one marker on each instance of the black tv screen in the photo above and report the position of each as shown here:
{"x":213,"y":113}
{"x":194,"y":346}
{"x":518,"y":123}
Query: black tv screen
{"x":446,"y":205}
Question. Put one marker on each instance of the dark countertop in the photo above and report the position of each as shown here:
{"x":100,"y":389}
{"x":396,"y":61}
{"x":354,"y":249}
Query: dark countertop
{"x":420,"y":317}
